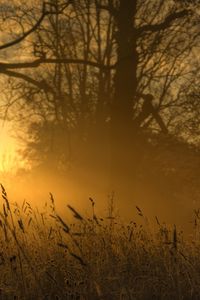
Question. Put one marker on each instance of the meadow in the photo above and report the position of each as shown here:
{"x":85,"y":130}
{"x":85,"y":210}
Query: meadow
{"x":45,"y":256}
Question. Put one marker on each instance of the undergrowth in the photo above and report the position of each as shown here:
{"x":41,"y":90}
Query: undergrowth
{"x":45,"y":256}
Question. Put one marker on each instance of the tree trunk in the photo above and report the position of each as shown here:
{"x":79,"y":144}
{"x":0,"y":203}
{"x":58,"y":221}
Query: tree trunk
{"x":122,"y":132}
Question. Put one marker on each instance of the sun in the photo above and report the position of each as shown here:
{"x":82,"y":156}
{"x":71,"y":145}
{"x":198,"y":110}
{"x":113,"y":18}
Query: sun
{"x":10,"y":160}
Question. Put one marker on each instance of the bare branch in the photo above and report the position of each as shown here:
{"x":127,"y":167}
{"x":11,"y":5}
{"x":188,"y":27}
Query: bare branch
{"x":40,"y":84}
{"x":109,"y":7}
{"x":148,"y":109}
{"x":45,"y":12}
{"x":36,"y":63}
{"x":165,"y":24}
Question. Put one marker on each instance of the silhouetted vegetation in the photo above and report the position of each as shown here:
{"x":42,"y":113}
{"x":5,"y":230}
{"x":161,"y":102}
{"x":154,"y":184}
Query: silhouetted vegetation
{"x":94,"y":75}
{"x":103,"y":94}
{"x":46,"y":256}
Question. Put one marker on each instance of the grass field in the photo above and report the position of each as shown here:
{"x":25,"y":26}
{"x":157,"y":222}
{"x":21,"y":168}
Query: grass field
{"x":44,"y":256}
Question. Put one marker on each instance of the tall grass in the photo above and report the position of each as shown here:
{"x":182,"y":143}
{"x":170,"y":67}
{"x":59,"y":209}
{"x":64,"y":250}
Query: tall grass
{"x":44,"y":256}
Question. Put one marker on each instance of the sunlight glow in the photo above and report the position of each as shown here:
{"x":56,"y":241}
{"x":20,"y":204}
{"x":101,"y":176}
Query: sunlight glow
{"x":10,"y":160}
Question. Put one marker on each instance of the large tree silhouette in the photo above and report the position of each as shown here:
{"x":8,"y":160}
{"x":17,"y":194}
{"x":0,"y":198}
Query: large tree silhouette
{"x":150,"y":45}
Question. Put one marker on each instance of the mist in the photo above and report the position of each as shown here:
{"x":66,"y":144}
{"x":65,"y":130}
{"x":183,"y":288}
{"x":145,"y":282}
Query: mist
{"x":99,"y":149}
{"x":159,"y":184}
{"x":103,"y":106}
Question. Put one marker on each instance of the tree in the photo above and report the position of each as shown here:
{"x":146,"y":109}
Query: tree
{"x":72,"y":96}
{"x":149,"y":44}
{"x":128,"y":39}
